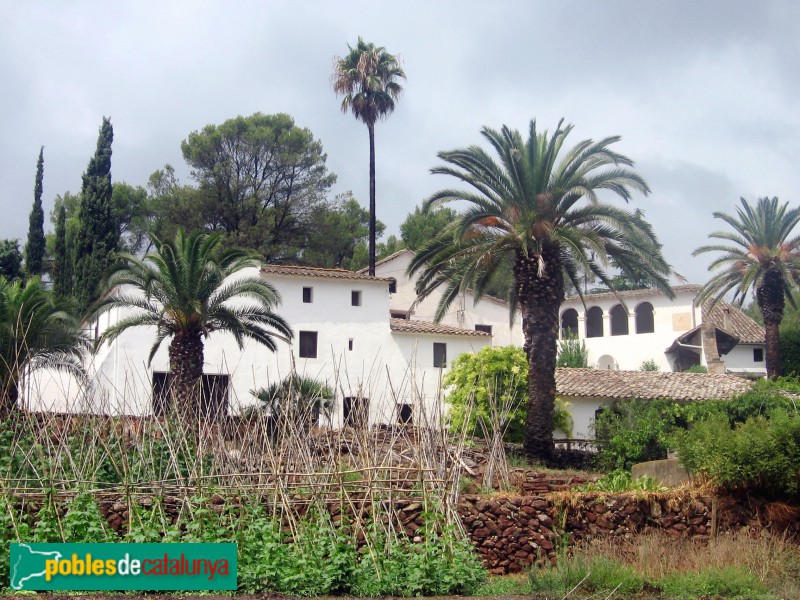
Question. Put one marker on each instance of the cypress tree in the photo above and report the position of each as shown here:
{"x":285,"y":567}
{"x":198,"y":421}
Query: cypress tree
{"x":35,"y":246}
{"x":62,"y":266}
{"x":98,"y":234}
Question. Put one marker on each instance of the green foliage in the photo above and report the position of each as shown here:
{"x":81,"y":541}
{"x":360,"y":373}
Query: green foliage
{"x":790,"y":352}
{"x":259,"y":180}
{"x":633,"y":431}
{"x":598,"y":574}
{"x":725,"y":582}
{"x":10,"y":260}
{"x":296,"y":399}
{"x":36,"y":245}
{"x":422,"y":226}
{"x":334,"y":232}
{"x":620,"y":481}
{"x":650,"y":365}
{"x":62,"y":249}
{"x":696,"y":369}
{"x":84,"y":523}
{"x":493,"y":375}
{"x":187,"y":293}
{"x":98,"y":234}
{"x":572,"y":353}
{"x":34,"y":333}
{"x":763,"y":453}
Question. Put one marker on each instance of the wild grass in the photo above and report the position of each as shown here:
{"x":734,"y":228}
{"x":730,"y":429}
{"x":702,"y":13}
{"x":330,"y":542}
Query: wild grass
{"x":765,"y":567}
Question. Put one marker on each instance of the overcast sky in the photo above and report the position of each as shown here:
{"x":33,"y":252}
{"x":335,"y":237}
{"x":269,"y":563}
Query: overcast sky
{"x":704,"y":94}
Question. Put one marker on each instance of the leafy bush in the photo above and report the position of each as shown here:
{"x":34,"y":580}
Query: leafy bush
{"x":572,"y":353}
{"x":618,"y":482}
{"x":763,"y":453}
{"x":494,"y":375}
{"x":318,"y":557}
{"x":632,"y":431}
{"x":649,"y":365}
{"x":696,"y":369}
{"x":790,"y":352}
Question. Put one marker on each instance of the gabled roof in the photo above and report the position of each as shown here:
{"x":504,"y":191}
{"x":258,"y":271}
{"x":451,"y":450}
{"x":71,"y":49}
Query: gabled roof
{"x":648,"y":385}
{"x":388,"y":258}
{"x":411,"y":326}
{"x":733,"y":321}
{"x":296,"y":271}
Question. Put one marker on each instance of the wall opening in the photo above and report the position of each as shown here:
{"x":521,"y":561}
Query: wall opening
{"x":645,"y":321}
{"x":594,"y":322}
{"x":619,"y":320}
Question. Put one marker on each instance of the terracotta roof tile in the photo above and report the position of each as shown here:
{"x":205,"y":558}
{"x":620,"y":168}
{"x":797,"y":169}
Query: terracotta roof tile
{"x":648,"y":385}
{"x":736,"y":323}
{"x":295,"y":271}
{"x":412,"y":326}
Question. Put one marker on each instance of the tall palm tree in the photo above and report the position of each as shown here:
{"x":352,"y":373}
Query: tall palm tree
{"x":367,"y":78}
{"x":35,"y":332}
{"x":537,"y":210}
{"x":187,"y":289}
{"x":761,"y":258}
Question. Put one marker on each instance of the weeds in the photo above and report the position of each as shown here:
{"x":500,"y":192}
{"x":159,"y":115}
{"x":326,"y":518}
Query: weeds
{"x":736,"y":566}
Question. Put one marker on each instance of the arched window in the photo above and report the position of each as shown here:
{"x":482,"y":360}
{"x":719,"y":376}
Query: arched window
{"x":644,"y":318}
{"x":569,"y":323}
{"x":619,"y":320}
{"x":594,"y":322}
{"x":607,"y":363}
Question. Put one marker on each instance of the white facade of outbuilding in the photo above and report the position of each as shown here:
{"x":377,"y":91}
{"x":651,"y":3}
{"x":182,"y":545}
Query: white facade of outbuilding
{"x":358,"y":351}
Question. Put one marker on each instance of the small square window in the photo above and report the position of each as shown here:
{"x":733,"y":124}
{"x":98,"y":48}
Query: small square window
{"x":308,"y":295}
{"x":484,"y":328}
{"x":758,"y":355}
{"x":308,"y":344}
{"x":355,"y":298}
{"x":439,"y":355}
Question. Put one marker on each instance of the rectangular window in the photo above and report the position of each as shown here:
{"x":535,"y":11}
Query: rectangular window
{"x":404,"y":414}
{"x":398,"y":314}
{"x":308,"y":295}
{"x":350,"y":344}
{"x":439,"y":355}
{"x":758,"y":355}
{"x":484,"y":328}
{"x":355,"y":412}
{"x":355,"y":298}
{"x":308,"y":344}
{"x":213,"y":395}
{"x":393,"y":286}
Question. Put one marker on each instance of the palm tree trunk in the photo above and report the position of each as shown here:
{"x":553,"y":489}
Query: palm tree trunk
{"x":186,"y":365}
{"x":771,"y":302}
{"x":371,"y":129}
{"x":540,"y":296}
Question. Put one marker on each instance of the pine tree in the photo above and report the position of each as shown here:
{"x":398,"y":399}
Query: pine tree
{"x":99,"y":233}
{"x":62,"y":266}
{"x":35,"y":247}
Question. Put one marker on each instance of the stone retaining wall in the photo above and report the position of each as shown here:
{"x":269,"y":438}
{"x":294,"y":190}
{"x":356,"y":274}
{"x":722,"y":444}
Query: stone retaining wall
{"x":512,"y":532}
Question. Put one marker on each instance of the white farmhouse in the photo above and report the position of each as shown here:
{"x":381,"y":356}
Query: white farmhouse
{"x":379,"y":368}
{"x":487,"y":314}
{"x":624,"y":329}
{"x":621,"y":330}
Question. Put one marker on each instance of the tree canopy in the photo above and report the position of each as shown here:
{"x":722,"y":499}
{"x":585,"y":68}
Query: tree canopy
{"x":260,"y":177}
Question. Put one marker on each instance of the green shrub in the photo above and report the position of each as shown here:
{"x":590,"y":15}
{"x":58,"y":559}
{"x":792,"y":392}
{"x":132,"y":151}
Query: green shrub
{"x":495,"y":375}
{"x":790,"y":352}
{"x":696,"y":369}
{"x":617,"y":482}
{"x":649,"y":365}
{"x":763,"y":453}
{"x":572,"y":353}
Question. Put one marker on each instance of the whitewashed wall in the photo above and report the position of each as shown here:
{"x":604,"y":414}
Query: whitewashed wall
{"x":463,"y":312}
